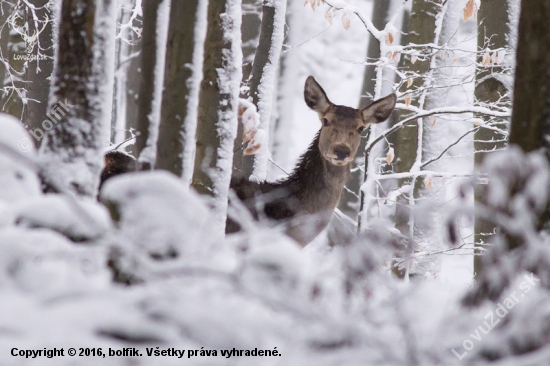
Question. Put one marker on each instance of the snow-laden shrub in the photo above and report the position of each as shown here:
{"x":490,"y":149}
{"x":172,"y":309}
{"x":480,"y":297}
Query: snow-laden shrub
{"x":155,"y":212}
{"x":158,"y":220}
{"x":517,"y":202}
{"x":44,"y":262}
{"x":79,"y":220}
{"x":18,"y":179}
{"x":516,"y":267}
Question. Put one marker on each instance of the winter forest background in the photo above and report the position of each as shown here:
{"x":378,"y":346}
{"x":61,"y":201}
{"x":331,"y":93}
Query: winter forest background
{"x":438,"y":253}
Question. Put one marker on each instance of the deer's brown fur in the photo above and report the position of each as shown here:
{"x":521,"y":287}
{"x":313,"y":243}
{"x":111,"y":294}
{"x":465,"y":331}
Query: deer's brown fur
{"x":305,"y":200}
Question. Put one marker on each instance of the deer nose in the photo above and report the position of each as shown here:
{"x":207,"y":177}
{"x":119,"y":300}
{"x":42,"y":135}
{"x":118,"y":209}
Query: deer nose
{"x":341,"y":152}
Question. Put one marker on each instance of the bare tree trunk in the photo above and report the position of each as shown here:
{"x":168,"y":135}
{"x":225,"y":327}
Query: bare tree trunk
{"x":152,"y":72}
{"x":132,"y":88}
{"x":218,"y":106}
{"x":81,"y":96}
{"x":184,"y":57}
{"x":408,"y":138}
{"x":250,"y":30}
{"x":530,"y":128}
{"x":531,"y":112}
{"x":39,"y":71}
{"x":262,"y":79}
{"x":125,"y":70}
{"x":492,"y":34}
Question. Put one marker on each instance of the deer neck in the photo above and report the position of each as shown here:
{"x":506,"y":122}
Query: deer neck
{"x":316,"y":182}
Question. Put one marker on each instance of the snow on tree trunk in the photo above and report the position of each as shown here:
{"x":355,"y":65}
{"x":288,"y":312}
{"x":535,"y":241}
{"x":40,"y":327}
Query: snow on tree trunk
{"x":155,"y":28}
{"x":81,"y":96}
{"x":262,"y":80}
{"x":218,"y":106}
{"x":38,"y":71}
{"x":184,"y":58}
{"x":125,"y":55}
{"x":287,"y":90}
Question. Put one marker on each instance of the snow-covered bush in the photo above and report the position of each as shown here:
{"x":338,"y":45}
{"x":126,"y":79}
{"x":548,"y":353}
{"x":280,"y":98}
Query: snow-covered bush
{"x":18,"y":179}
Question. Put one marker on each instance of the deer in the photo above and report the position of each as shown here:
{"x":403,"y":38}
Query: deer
{"x":304,"y":201}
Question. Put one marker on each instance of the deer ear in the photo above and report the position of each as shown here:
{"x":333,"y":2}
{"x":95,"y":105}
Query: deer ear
{"x":315,"y":96}
{"x":379,"y":111}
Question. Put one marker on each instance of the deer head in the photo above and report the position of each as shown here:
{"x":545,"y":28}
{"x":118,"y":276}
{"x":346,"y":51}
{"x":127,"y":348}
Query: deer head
{"x":342,"y":126}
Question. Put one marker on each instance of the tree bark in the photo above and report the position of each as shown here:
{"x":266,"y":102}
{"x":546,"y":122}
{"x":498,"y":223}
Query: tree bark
{"x":81,"y":97}
{"x":406,"y":142}
{"x":147,"y":121}
{"x":39,"y":71}
{"x":531,"y":111}
{"x":183,"y":73}
{"x":493,"y":31}
{"x":218,"y":106}
{"x":530,"y":128}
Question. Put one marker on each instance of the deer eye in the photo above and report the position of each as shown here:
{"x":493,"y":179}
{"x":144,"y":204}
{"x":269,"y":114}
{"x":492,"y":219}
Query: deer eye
{"x":325,"y":122}
{"x":361,"y":129}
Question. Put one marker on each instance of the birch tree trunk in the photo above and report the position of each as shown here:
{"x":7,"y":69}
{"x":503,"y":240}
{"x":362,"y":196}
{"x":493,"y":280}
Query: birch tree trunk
{"x":81,"y":96}
{"x":218,"y":106}
{"x":152,"y":76}
{"x":493,"y":31}
{"x":183,"y":74}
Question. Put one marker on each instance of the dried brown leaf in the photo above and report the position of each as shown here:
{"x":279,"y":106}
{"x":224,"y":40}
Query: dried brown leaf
{"x":329,"y":15}
{"x":390,"y":155}
{"x":470,"y":10}
{"x":389,"y":38}
{"x":249,"y":135}
{"x":407,"y":98}
{"x":428,"y":182}
{"x":433,"y":120}
{"x":346,"y":21}
{"x":252,"y":149}
{"x":486,"y":59}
